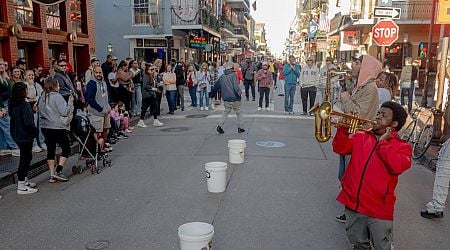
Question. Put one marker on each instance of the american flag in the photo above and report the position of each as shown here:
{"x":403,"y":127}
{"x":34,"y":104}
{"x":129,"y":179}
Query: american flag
{"x":324,"y":23}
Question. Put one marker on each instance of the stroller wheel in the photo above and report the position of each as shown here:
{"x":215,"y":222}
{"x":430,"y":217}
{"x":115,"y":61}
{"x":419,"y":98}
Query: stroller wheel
{"x":74,"y":170}
{"x":106,"y":163}
{"x":80,"y":169}
{"x":93,"y":169}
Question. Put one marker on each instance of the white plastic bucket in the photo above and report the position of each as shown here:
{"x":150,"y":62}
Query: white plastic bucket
{"x":236,"y":151}
{"x":195,"y":236}
{"x":216,"y":176}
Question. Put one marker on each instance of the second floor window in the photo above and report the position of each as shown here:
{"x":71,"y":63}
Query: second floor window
{"x":53,"y":17}
{"x":24,"y":12}
{"x":76,"y":16}
{"x":140,"y":13}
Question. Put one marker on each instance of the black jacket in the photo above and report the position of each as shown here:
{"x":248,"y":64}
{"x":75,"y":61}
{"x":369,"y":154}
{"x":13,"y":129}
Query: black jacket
{"x":22,"y":126}
{"x":179,"y":72}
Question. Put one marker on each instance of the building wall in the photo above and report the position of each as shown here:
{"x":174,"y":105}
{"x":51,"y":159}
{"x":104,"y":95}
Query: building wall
{"x":36,"y":39}
{"x":114,"y":22}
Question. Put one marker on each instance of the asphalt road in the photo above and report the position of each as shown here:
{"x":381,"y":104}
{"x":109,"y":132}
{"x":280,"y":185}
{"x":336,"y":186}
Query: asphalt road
{"x":280,"y":198}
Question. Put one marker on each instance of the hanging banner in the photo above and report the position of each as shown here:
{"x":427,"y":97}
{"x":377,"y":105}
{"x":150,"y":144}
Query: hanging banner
{"x":48,"y":2}
{"x":313,"y":27}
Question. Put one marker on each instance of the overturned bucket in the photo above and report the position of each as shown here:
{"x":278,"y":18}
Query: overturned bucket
{"x":216,"y":176}
{"x":195,"y":236}
{"x":236,"y":151}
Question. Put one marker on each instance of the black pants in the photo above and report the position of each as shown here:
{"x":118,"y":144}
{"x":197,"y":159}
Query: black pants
{"x":125,"y":97}
{"x":264,"y":92}
{"x":25,"y":159}
{"x":158,"y":102}
{"x":149,"y":102}
{"x":249,"y":84}
{"x":305,"y":92}
{"x":56,"y":136}
{"x":409,"y":93}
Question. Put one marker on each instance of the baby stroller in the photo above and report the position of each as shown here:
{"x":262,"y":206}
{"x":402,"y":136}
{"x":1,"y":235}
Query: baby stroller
{"x":90,"y":151}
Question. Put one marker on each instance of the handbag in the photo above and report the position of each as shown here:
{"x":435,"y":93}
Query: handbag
{"x":405,"y":85}
{"x":202,"y":85}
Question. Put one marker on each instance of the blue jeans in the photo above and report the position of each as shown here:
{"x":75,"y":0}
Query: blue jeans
{"x":6,"y":140}
{"x":137,"y":99}
{"x":289,"y":93}
{"x":342,"y":166}
{"x":193,"y":94}
{"x":171,"y":96}
{"x":204,"y":94}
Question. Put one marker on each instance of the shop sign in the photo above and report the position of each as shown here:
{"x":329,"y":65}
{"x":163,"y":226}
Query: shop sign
{"x":48,"y":2}
{"x":197,"y":42}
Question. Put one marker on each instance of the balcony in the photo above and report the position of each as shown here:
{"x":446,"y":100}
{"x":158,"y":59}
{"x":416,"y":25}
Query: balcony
{"x":241,"y":32}
{"x":243,"y":4}
{"x":191,"y":17}
{"x":227,"y":25}
{"x":414,"y":12}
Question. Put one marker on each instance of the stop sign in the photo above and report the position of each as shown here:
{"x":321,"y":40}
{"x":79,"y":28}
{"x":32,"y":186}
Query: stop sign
{"x":385,"y":32}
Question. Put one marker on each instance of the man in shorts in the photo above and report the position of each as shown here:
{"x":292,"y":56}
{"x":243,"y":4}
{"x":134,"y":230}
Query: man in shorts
{"x":98,"y":106}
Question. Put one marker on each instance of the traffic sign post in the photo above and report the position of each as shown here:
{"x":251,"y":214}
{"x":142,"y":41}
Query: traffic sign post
{"x":385,"y":32}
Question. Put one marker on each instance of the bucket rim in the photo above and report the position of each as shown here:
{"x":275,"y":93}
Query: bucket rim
{"x":237,"y":141}
{"x":216,"y":165}
{"x":182,"y":231}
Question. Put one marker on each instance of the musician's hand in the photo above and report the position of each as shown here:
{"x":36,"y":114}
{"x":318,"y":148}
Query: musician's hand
{"x":387,"y":135}
{"x":345,"y":95}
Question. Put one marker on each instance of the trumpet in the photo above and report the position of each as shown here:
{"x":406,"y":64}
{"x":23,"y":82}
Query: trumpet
{"x":325,"y":117}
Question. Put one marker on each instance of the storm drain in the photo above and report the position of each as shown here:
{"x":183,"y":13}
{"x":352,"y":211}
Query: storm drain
{"x":174,"y":129}
{"x":270,"y":144}
{"x":96,"y":245}
{"x":197,"y":116}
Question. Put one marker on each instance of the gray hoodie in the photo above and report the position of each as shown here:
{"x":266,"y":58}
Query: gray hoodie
{"x":228,"y":85}
{"x":51,"y":108}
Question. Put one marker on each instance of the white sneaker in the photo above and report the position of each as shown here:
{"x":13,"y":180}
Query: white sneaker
{"x":15,"y":152}
{"x":5,"y":152}
{"x":213,"y":107}
{"x":157,"y":123}
{"x":27,"y":190}
{"x":268,"y":109}
{"x":206,"y":108}
{"x":130,"y":131}
{"x":201,"y":108}
{"x":259,"y":109}
{"x":36,"y":149}
{"x":141,"y":124}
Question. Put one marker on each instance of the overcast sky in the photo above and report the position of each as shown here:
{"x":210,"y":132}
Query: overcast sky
{"x":278,"y":16}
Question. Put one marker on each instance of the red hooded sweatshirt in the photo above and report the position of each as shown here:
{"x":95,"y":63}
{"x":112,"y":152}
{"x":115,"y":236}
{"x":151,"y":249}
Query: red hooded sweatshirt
{"x":371,"y":176}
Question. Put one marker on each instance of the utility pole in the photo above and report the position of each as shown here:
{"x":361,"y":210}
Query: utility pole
{"x":424,"y":101}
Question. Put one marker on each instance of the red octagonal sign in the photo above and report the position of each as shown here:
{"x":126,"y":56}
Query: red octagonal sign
{"x":385,"y":32}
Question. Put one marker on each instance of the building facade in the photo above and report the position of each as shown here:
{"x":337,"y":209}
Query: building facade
{"x":41,"y":33}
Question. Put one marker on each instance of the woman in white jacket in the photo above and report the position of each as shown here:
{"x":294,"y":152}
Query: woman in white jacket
{"x":203,"y":86}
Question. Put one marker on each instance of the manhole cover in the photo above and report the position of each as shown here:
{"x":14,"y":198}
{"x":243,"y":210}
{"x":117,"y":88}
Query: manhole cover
{"x":270,"y":144}
{"x":197,"y":116}
{"x":96,"y":245}
{"x":175,"y":129}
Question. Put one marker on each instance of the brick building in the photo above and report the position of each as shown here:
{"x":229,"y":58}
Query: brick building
{"x":47,"y":31}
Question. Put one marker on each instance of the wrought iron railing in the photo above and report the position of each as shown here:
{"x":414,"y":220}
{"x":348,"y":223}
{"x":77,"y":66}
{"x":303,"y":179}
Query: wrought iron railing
{"x":192,"y":15}
{"x":227,"y":24}
{"x":414,"y":10}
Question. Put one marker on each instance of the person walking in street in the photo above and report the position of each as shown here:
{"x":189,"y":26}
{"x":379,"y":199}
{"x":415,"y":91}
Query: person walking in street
{"x":231,"y":95}
{"x":181,"y":82}
{"x":203,"y":86}
{"x":191,"y":80}
{"x":170,"y":80}
{"x":98,"y":106}
{"x":309,"y":80}
{"x":378,"y":157}
{"x":265,"y":82}
{"x":363,"y":100}
{"x":407,"y":78}
{"x":7,"y":144}
{"x":291,"y":72}
{"x":249,"y":71}
{"x":214,"y":77}
{"x":66,"y":88}
{"x":56,"y":113}
{"x":149,"y":97}
{"x":23,"y":131}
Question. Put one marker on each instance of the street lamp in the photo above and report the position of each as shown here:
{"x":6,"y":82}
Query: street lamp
{"x":109,"y":48}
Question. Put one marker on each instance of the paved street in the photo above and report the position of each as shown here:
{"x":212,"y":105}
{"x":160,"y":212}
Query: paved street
{"x":280,"y":198}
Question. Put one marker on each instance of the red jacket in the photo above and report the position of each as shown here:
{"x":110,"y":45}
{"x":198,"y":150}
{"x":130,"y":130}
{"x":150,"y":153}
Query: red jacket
{"x":371,"y":176}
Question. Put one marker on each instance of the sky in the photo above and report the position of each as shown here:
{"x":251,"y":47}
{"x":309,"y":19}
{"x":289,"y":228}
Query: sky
{"x":278,"y":16}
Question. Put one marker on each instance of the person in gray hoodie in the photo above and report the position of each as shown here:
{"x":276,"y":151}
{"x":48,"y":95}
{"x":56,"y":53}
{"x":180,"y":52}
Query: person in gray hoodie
{"x":55,"y":114}
{"x":66,"y":88}
{"x":231,"y":95}
{"x":98,"y":105}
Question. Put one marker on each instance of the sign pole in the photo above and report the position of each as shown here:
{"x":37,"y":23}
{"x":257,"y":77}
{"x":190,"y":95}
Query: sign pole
{"x":424,"y":102}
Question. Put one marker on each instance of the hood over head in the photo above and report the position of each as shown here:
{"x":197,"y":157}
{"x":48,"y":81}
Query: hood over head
{"x":370,"y":68}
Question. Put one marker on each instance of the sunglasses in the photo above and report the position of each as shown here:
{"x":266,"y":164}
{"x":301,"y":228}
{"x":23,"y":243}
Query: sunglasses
{"x":62,"y":65}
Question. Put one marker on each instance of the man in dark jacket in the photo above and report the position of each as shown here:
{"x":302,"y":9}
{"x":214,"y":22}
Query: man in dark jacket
{"x":181,"y":81}
{"x":65,"y":84}
{"x":231,"y":95}
{"x":107,"y":67}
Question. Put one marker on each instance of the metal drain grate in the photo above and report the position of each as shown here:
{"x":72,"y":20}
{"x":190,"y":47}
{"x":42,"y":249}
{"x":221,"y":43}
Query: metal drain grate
{"x":96,"y":245}
{"x":175,"y":129}
{"x":197,"y":116}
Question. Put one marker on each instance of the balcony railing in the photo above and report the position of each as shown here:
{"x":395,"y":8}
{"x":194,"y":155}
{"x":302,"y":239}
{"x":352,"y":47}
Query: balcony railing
{"x":227,"y":24}
{"x":191,"y":15}
{"x":414,"y":10}
{"x":241,"y":31}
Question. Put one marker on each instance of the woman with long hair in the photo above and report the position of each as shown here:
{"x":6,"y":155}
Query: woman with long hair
{"x":23,"y":131}
{"x":55,"y":111}
{"x":149,"y":96}
{"x":34,"y":93}
{"x":169,"y":79}
{"x":203,"y":85}
{"x":124,"y":77}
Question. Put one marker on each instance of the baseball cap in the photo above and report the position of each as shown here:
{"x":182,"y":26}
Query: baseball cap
{"x":20,"y":61}
{"x":114,"y":57}
{"x":94,"y":60}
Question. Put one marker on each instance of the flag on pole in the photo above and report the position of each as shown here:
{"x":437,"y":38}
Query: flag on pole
{"x":324,"y":23}
{"x":254,"y":5}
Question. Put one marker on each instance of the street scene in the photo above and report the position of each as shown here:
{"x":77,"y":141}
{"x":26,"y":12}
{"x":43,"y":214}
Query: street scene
{"x":224,"y":124}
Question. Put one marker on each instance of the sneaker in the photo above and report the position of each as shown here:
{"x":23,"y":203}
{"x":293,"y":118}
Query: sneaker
{"x":122,"y":136}
{"x":27,"y":190}
{"x":436,"y":215}
{"x":52,"y":179}
{"x":60,"y":177}
{"x":304,"y":113}
{"x":220,"y":130}
{"x":311,"y":114}
{"x":5,"y":152}
{"x":130,"y":128}
{"x":29,"y":183}
{"x":272,"y":101}
{"x":268,"y":109}
{"x":44,"y":146}
{"x":259,"y":109}
{"x":341,"y":218}
{"x":206,"y":108}
{"x":141,"y":124}
{"x":128,"y":131}
{"x":157,"y":123}
{"x":15,"y":152}
{"x":213,"y":107}
{"x":36,"y":149}
{"x":286,"y":112}
{"x":201,"y":108}
{"x":241,"y":130}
